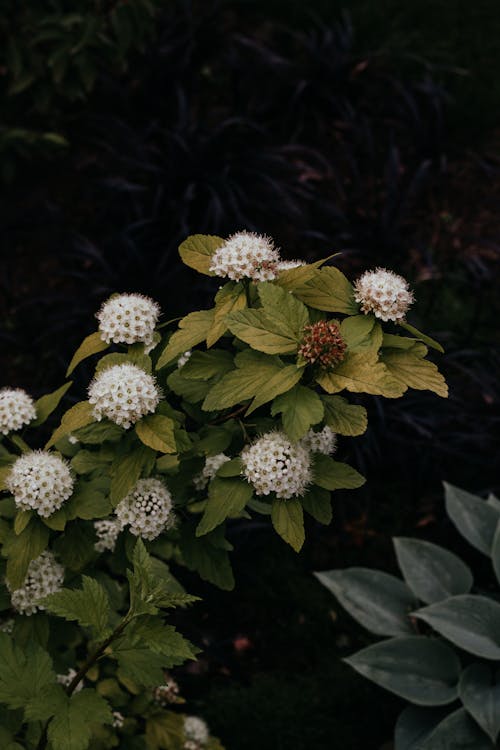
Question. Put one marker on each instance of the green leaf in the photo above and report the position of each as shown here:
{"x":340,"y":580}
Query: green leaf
{"x":99,"y":432}
{"x":31,"y":629}
{"x":93,"y":344}
{"x":328,"y":290}
{"x":479,"y":691}
{"x":126,"y":470}
{"x":24,"y":674}
{"x":22,"y":549}
{"x":157,"y":432}
{"x":141,"y":665}
{"x":70,"y":729}
{"x":281,"y":382}
{"x":470,"y":622}
{"x":87,"y":502}
{"x":206,"y":557}
{"x":232,"y":468}
{"x":318,"y":503}
{"x":362,"y":372}
{"x":206,"y":365}
{"x":46,"y":704}
{"x":361,"y":332}
{"x":197,"y":250}
{"x":260,"y":331}
{"x":165,"y":730}
{"x":133,"y":357}
{"x":474,"y":518}
{"x":430,"y":571}
{"x":193,"y":329}
{"x":379,"y":601}
{"x":411,"y":370}
{"x":343,"y":417}
{"x":192,"y":391}
{"x":414,"y":724}
{"x":22,"y":519}
{"x":89,"y":606}
{"x":226,"y":497}
{"x":84,"y":462}
{"x":300,"y":408}
{"x":76,"y":546}
{"x":163,"y":640}
{"x":495,"y":550}
{"x":48,"y":403}
{"x":230,"y":298}
{"x":79,"y":415}
{"x":423,"y":670}
{"x":288,"y":520}
{"x":287,"y":313}
{"x":335,"y":475}
{"x":422,"y":336}
{"x":456,"y":732}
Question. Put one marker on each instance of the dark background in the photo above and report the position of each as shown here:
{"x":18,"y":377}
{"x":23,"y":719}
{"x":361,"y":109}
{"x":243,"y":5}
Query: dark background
{"x":365,"y":128}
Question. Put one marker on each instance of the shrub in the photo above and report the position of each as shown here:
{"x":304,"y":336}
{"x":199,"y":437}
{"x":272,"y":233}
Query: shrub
{"x":442,"y":654}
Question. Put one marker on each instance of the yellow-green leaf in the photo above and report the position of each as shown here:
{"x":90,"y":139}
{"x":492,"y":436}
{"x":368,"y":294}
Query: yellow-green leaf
{"x":335,"y":475}
{"x":93,"y":344}
{"x":80,"y":415}
{"x":226,"y":497}
{"x":411,"y":370}
{"x":362,"y":372}
{"x":21,"y":549}
{"x":196,"y":252}
{"x":287,"y":313}
{"x":422,"y":336}
{"x":288,"y":520}
{"x":361,"y":332}
{"x":230,"y":298}
{"x":157,"y":432}
{"x":343,"y":417}
{"x":46,"y":404}
{"x":300,"y":408}
{"x":260,"y":332}
{"x":328,"y":290}
{"x":193,"y":329}
{"x":298,"y":276}
{"x":279,"y":383}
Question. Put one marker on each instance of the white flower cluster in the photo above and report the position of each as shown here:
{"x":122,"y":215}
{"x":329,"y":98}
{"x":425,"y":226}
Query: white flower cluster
{"x":45,"y":576}
{"x":107,"y":532}
{"x":273,"y":464}
{"x":212,"y":465}
{"x":147,"y":509}
{"x":163,"y":695}
{"x":324,"y":441}
{"x":40,"y":481}
{"x":184,"y":358}
{"x":118,"y":720}
{"x":128,"y":319}
{"x":123,"y":394}
{"x":66,"y":679}
{"x":246,"y":255}
{"x":383,"y":293}
{"x":17,"y":409}
{"x":196,"y":733}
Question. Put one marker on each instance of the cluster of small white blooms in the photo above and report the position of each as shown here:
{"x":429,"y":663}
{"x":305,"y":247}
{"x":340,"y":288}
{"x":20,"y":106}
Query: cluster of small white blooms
{"x":45,"y":576}
{"x":128,"y":319}
{"x":163,"y":695}
{"x":196,"y":732}
{"x":107,"y":533}
{"x":66,"y":679}
{"x":246,"y":255}
{"x":287,"y":265}
{"x":212,"y":465}
{"x":118,"y":720}
{"x":123,"y":394}
{"x":273,"y":464}
{"x":17,"y":409}
{"x":40,"y":481}
{"x":383,"y":293}
{"x":184,"y":358}
{"x":147,"y":509}
{"x":324,"y":441}
{"x":7,"y":626}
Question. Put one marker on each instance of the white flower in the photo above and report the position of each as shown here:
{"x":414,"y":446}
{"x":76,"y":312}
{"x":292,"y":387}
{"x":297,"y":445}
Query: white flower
{"x":246,"y":255}
{"x":123,"y":394}
{"x":287,"y":265}
{"x":184,"y":358}
{"x":17,"y":409}
{"x":273,"y":464}
{"x":128,"y":319}
{"x":107,"y":533}
{"x":212,"y":465}
{"x":147,"y":509}
{"x":320,"y":442}
{"x":196,"y":730}
{"x":40,"y":481}
{"x":66,"y":679}
{"x":118,"y":720}
{"x":168,"y":693}
{"x":45,"y":576}
{"x":383,"y":293}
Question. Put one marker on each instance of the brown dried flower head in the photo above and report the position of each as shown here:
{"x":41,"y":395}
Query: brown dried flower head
{"x":323,"y":344}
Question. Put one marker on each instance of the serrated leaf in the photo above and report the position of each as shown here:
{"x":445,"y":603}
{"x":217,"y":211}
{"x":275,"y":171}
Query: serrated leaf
{"x":79,"y":415}
{"x":46,"y":704}
{"x":24,"y":674}
{"x":259,"y":331}
{"x":197,"y":250}
{"x":470,"y":622}
{"x":300,"y":408}
{"x":287,"y":313}
{"x":432,"y":573}
{"x":47,"y":404}
{"x":377,"y":600}
{"x":193,"y":329}
{"x":422,"y":336}
{"x":157,"y":432}
{"x":456,"y":732}
{"x":22,"y":549}
{"x":361,"y":332}
{"x":163,"y":640}
{"x":335,"y":475}
{"x":280,"y":382}
{"x":75,"y":546}
{"x":230,"y":298}
{"x":206,"y":365}
{"x":207,"y":558}
{"x":70,"y":729}
{"x":192,"y":391}
{"x":343,"y":417}
{"x":141,"y":665}
{"x":288,"y":520}
{"x":126,"y":470}
{"x":92,"y":344}
{"x":479,"y":691}
{"x":165,"y":731}
{"x":423,"y":670}
{"x":413,"y":371}
{"x":318,"y":503}
{"x":362,"y":372}
{"x":89,"y":606}
{"x":328,"y":290}
{"x":226,"y":497}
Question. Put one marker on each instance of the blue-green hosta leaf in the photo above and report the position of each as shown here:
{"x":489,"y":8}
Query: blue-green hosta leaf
{"x":423,"y":670}
{"x":479,"y":691}
{"x":300,"y":408}
{"x":475,"y":519}
{"x":89,"y":606}
{"x":495,"y":549}
{"x":226,"y":497}
{"x":457,"y":732}
{"x":415,"y":724}
{"x":377,"y":600}
{"x":432,"y":573}
{"x":24,"y":673}
{"x":288,"y":520}
{"x":470,"y":622}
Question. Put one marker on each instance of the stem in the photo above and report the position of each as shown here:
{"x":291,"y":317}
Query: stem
{"x":231,"y":415}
